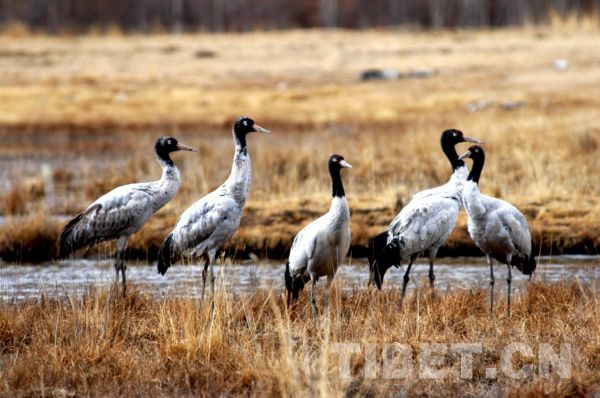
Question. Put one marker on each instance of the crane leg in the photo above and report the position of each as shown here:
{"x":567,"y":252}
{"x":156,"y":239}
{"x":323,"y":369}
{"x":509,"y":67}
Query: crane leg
{"x":491,"y":264}
{"x":509,"y":280}
{"x":313,"y":297}
{"x":328,"y":294}
{"x":406,"y":278}
{"x":212,"y":281}
{"x":204,"y":274}
{"x":432,"y":255}
{"x":120,"y":266}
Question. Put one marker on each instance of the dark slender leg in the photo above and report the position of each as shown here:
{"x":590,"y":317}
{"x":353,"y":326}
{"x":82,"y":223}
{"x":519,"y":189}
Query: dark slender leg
{"x":432,"y":255}
{"x":509,"y":280}
{"x":491,"y":264}
{"x":212,"y":280}
{"x":431,"y":274}
{"x":406,"y":278}
{"x":119,"y":261}
{"x":313,"y":297}
{"x":204,"y":274}
{"x":328,"y":295}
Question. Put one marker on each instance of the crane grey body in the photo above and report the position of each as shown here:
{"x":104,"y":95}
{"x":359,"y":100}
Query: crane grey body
{"x":498,"y":228}
{"x":210,"y":222}
{"x":425,"y":223}
{"x":124,"y":210}
{"x":320,"y":247}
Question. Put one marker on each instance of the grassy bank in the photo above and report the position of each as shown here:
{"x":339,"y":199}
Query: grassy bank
{"x":251,"y":344}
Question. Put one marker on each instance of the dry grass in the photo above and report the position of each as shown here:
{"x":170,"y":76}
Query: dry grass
{"x":251,"y":344}
{"x":106,"y":99}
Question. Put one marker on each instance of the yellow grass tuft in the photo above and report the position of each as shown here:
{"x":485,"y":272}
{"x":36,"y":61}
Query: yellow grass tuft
{"x":252,"y":344}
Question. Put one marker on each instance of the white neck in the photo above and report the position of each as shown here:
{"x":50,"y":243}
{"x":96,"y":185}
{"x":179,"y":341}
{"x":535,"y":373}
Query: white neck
{"x":240,"y":178}
{"x":460,"y":174}
{"x":472,"y":200}
{"x":168,"y":185}
{"x":339,"y":210}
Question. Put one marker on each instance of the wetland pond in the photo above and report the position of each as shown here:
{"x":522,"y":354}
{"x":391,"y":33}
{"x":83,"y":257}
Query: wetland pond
{"x":75,"y":277}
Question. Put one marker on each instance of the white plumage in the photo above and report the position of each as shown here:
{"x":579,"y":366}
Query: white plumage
{"x":124,"y":210}
{"x":321,"y":246}
{"x":425,"y":223}
{"x":498,"y":228}
{"x":206,"y":225}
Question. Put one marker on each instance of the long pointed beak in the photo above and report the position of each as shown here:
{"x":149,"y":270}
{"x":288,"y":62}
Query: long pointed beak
{"x":182,"y":147}
{"x":471,"y":139}
{"x":345,"y":164}
{"x":259,"y":129}
{"x":465,"y":155}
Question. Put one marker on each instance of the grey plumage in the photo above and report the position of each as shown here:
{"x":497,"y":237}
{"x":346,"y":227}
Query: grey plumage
{"x":498,"y":228}
{"x":124,"y":210}
{"x":210,"y":222}
{"x":321,"y":246}
{"x":425,"y":223}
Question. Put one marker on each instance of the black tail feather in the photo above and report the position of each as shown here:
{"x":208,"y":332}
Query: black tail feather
{"x":65,"y":241}
{"x":531,"y":264}
{"x":165,"y":255}
{"x":376,"y":245}
{"x":293,"y":284}
{"x":69,"y":241}
{"x":383,"y":256}
{"x":526,"y":264}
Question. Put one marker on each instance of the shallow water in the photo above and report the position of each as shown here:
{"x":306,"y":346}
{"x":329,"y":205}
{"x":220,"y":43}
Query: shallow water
{"x":74,"y":277}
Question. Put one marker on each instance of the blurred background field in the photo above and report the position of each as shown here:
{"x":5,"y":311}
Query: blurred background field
{"x":79,"y":116}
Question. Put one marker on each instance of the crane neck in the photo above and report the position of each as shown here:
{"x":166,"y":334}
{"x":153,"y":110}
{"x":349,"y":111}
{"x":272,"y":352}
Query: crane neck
{"x":169,"y":170}
{"x":336,"y":182}
{"x":451,"y":154}
{"x":476,"y":169}
{"x":240,"y":142}
{"x":239,"y":180}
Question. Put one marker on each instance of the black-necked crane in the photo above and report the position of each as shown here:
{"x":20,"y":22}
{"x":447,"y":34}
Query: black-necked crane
{"x":498,"y":228}
{"x":210,"y":222}
{"x":320,"y":247}
{"x":425,"y":223}
{"x":124,"y":210}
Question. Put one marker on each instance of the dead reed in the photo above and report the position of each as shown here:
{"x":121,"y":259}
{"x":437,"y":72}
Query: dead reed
{"x":251,"y":344}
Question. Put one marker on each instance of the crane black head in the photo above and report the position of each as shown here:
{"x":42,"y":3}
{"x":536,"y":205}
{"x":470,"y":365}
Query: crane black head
{"x":336,"y":163}
{"x":244,"y":125}
{"x":165,"y":145}
{"x":476,"y":153}
{"x":449,"y":139}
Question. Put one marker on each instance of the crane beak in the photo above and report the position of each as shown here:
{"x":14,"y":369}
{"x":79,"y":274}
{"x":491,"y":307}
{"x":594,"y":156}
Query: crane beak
{"x":345,"y":164}
{"x":259,"y":129}
{"x":471,"y":139}
{"x":182,"y":147}
{"x":465,"y":155}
